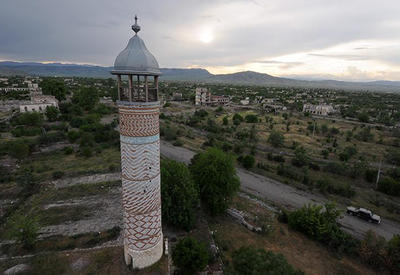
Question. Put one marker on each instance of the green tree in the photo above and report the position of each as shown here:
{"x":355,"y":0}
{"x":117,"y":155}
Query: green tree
{"x":86,"y":97}
{"x":248,"y":161}
{"x":300,"y":157}
{"x":214,"y":172}
{"x":225,"y":120}
{"x":238,"y":117}
{"x":18,"y":149}
{"x":190,"y":256}
{"x":394,"y":254}
{"x":55,"y":87}
{"x":251,"y":118}
{"x":52,"y":113}
{"x":363,"y":117}
{"x":276,"y":139}
{"x":26,"y":181}
{"x":251,"y":261}
{"x":179,"y":193}
{"x":24,"y":229}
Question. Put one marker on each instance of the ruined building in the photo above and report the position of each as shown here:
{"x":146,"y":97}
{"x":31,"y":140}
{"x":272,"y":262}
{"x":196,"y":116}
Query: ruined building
{"x":138,"y":107}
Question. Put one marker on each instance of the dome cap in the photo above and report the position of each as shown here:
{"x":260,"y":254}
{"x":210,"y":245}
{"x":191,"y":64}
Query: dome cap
{"x":136,"y":58}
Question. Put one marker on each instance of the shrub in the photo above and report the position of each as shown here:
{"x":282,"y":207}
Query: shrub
{"x":18,"y":149}
{"x":321,"y":225}
{"x":300,"y":157}
{"x":73,"y":136}
{"x":389,"y":186}
{"x":249,"y":260}
{"x":343,"y":189}
{"x":276,"y":139}
{"x":336,"y":168}
{"x":57,"y":175}
{"x":86,"y":152}
{"x":237,"y":117}
{"x":178,"y":142}
{"x":190,"y":256}
{"x":251,"y":118}
{"x":68,"y":150}
{"x":248,"y":161}
{"x":24,"y":229}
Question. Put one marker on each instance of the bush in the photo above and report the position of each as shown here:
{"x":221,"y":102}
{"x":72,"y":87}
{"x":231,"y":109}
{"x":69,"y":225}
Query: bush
{"x":52,"y":113}
{"x":251,"y":118}
{"x":237,"y":117}
{"x":389,"y":186}
{"x":57,"y":175}
{"x":190,"y":256}
{"x":68,"y":150}
{"x":24,"y":229}
{"x":251,"y":261}
{"x":18,"y":149}
{"x":342,"y":189}
{"x":86,"y":152}
{"x":336,"y":168}
{"x":178,"y":142}
{"x":73,"y":136}
{"x":300,"y":157}
{"x":276,"y":139}
{"x":248,"y":161}
{"x":321,"y":225}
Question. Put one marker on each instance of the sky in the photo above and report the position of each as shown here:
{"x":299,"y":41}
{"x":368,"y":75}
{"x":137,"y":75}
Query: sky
{"x":312,"y":39}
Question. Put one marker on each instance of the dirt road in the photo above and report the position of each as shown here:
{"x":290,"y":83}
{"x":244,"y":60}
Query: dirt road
{"x":288,"y":196}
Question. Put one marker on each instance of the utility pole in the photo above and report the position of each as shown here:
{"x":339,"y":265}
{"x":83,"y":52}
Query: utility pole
{"x":378,"y":175}
{"x":313,"y":132}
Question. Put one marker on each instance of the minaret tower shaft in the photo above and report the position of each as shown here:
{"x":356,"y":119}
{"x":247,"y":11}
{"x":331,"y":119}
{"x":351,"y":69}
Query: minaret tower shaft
{"x":138,"y":107}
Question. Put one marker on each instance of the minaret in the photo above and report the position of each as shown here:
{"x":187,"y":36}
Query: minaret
{"x":138,"y":107}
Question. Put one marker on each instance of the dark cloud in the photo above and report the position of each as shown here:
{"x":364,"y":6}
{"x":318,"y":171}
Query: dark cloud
{"x":95,"y":31}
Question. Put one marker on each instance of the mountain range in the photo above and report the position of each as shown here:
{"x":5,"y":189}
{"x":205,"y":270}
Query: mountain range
{"x":8,"y":68}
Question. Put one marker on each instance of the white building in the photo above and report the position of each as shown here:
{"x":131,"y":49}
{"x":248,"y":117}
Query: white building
{"x":321,"y":109}
{"x":38,"y":103}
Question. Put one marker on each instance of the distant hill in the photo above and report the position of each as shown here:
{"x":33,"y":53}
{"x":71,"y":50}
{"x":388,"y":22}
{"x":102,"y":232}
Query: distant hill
{"x":193,"y":75}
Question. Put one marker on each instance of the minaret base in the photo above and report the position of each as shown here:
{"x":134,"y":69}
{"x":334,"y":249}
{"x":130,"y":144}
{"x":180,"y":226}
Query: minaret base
{"x":143,"y":258}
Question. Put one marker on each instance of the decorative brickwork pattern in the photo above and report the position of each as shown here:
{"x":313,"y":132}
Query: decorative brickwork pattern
{"x":140,"y":172}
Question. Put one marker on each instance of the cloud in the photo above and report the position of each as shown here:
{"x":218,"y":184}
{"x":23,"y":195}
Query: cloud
{"x":95,"y":31}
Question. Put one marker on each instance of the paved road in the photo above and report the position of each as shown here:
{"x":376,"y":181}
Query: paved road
{"x":287,"y":196}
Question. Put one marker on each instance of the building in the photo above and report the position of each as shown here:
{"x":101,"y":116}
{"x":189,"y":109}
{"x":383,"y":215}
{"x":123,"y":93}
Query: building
{"x":38,"y":103}
{"x":245,"y":101}
{"x":321,"y":109}
{"x":138,"y":108}
{"x":203,"y":96}
{"x":219,"y":100}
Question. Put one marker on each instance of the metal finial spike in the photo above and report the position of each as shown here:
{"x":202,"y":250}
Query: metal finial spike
{"x":136,"y":27}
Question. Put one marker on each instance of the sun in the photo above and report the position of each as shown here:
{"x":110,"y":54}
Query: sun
{"x":206,"y":36}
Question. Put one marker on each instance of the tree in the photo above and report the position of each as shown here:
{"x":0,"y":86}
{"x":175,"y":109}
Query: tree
{"x":225,"y":120}
{"x":24,"y":229}
{"x":251,"y":118}
{"x":55,"y":87}
{"x":276,"y":139}
{"x":86,"y":97}
{"x":26,"y":181}
{"x":18,"y":149}
{"x":248,"y":161}
{"x":394,"y":254}
{"x":179,"y":193}
{"x":214,"y":172}
{"x":52,"y":113}
{"x":237,"y":117}
{"x":251,"y":261}
{"x":363,"y":117}
{"x":190,"y":256}
{"x":300,"y":157}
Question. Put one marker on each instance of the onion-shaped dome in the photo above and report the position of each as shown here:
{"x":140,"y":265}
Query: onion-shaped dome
{"x":136,"y":58}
